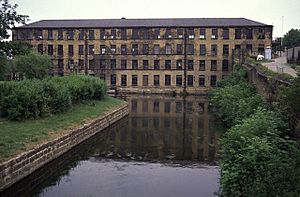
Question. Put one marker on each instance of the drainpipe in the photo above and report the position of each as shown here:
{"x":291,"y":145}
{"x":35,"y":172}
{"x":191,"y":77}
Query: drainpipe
{"x":85,"y":52}
{"x":184,"y":62}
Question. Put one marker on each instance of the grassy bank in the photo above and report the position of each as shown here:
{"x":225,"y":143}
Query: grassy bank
{"x":20,"y":136}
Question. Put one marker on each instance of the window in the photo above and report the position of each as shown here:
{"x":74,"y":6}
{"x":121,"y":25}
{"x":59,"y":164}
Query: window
{"x":145,"y":64}
{"x":167,"y":64}
{"x":40,"y":48}
{"x":50,"y":34}
{"x":156,"y":106}
{"x":50,"y":49}
{"x":103,"y":63}
{"x":81,"y":35}
{"x":249,"y":47}
{"x":190,"y":64}
{"x":167,"y":80}
{"x":179,"y":64}
{"x":60,"y":64}
{"x":134,"y":64}
{"x":261,"y":49}
{"x":202,"y":80}
{"x":60,"y":35}
{"x":214,"y":50}
{"x":123,"y":34}
{"x":225,"y":49}
{"x":179,"y":49}
{"x":113,"y":34}
{"x":145,"y":80}
{"x":179,"y":80}
{"x":135,"y":49}
{"x":81,"y":64}
{"x":70,"y":50}
{"x":156,"y":80}
{"x":91,"y":64}
{"x":237,"y":46}
{"x":91,"y":34}
{"x":168,"y":49}
{"x":213,"y":65}
{"x":145,"y":49}
{"x":134,"y":80}
{"x":261,"y":33}
{"x":157,"y":33}
{"x":91,"y":49}
{"x":102,"y":49}
{"x":167,"y":107}
{"x":113,"y":49}
{"x":225,"y":65}
{"x":191,"y":34}
{"x":156,"y":64}
{"x":81,"y":50}
{"x":123,"y":80}
{"x":102,"y":77}
{"x":225,"y":33}
{"x":70,"y":35}
{"x":113,"y":64}
{"x":123,"y":49}
{"x":202,"y":49}
{"x":168,"y":33}
{"x":179,"y":33}
{"x":156,"y":49}
{"x":145,"y":106}
{"x":102,"y":34}
{"x":190,"y":49}
{"x":202,"y":34}
{"x":38,"y":34}
{"x":214,"y":34}
{"x":60,"y":50}
{"x":190,"y":80}
{"x":213,"y":80}
{"x":145,"y":33}
{"x":249,"y":33}
{"x":202,"y":65}
{"x":178,"y":107}
{"x":123,"y":64}
{"x":113,"y":79}
{"x":238,"y":33}
{"x":135,"y":34}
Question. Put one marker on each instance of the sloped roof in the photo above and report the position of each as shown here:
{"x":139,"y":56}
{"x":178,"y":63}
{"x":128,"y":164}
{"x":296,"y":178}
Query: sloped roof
{"x":159,"y":22}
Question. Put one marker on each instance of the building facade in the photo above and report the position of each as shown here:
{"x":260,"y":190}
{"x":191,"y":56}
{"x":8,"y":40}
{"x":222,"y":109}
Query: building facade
{"x":147,"y":55}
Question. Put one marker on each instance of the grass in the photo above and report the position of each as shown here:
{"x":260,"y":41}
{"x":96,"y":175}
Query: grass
{"x":17,"y":137}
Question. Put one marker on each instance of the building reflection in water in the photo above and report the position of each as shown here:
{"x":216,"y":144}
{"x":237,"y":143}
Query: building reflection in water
{"x":163,"y":128}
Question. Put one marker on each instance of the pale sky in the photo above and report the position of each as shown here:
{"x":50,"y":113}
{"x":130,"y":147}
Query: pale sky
{"x":265,"y":11}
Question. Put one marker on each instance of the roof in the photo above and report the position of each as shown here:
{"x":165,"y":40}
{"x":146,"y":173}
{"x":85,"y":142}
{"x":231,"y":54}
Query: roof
{"x":159,"y":22}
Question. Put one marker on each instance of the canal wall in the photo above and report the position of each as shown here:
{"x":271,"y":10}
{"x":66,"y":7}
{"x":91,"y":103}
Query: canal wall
{"x":22,"y":165}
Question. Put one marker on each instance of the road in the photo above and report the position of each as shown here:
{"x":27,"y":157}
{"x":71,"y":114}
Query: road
{"x":280,"y":65}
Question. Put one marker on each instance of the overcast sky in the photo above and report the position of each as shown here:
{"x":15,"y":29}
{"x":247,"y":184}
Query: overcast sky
{"x":265,"y":11}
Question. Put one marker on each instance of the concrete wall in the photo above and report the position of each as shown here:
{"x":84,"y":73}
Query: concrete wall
{"x":293,"y":55}
{"x":21,"y":166}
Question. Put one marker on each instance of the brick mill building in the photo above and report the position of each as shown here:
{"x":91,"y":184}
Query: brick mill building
{"x":147,"y":55}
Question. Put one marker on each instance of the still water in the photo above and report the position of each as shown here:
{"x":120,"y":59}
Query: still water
{"x":165,"y":147}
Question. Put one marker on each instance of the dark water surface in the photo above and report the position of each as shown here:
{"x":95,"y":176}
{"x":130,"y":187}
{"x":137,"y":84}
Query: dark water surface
{"x":165,"y":147}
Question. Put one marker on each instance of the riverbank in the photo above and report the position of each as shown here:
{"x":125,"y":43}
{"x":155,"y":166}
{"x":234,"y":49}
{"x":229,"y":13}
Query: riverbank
{"x":33,"y":143}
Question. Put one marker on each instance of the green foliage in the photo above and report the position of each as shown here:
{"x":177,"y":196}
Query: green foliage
{"x":238,"y":76}
{"x":291,"y":38}
{"x":33,"y":65}
{"x":36,"y":98}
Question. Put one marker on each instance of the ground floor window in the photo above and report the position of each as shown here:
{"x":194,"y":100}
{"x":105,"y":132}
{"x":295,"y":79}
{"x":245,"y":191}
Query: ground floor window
{"x":213,"y":80}
{"x":190,"y":80}
{"x":202,"y":80}
{"x":167,"y":80}
{"x":123,"y":80}
{"x":156,"y":80}
{"x":134,"y":80}
{"x":178,"y":80}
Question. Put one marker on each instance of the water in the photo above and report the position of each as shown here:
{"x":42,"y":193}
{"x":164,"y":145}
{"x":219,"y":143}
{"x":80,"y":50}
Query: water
{"x":165,"y":147}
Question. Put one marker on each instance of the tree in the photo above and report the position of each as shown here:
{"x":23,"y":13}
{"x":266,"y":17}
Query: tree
{"x":33,"y":65}
{"x":291,"y":38}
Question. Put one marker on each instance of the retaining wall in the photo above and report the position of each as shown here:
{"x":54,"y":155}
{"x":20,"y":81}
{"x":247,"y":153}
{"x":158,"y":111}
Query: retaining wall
{"x":21,"y":166}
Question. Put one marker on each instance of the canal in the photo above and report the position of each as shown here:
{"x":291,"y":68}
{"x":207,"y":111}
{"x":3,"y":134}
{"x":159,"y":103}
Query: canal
{"x":165,"y":147}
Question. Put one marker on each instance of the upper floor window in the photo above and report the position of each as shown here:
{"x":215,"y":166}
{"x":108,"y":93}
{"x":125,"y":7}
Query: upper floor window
{"x":113,"y":34}
{"x":135,"y":49}
{"x":91,"y":34}
{"x":81,"y":35}
{"x":214,"y":50}
{"x":179,"y":64}
{"x":135,"y":34}
{"x":191,"y":33}
{"x":102,"y":49}
{"x":102,"y":34}
{"x":214,"y":34}
{"x":190,"y":64}
{"x":123,"y":49}
{"x":50,"y":34}
{"x":113,"y":49}
{"x":38,"y":34}
{"x":168,"y":33}
{"x":249,"y":33}
{"x":238,"y":33}
{"x":156,"y":49}
{"x":179,"y":33}
{"x":40,"y":48}
{"x":225,"y":33}
{"x":190,"y":49}
{"x":179,"y":49}
{"x":70,"y":35}
{"x":202,"y":34}
{"x":60,"y":34}
{"x":145,"y":49}
{"x":50,"y":49}
{"x":261,"y":33}
{"x":225,"y":49}
{"x":202,"y":49}
{"x":124,"y":34}
{"x":157,"y":33}
{"x":168,"y":49}
{"x":145,"y":33}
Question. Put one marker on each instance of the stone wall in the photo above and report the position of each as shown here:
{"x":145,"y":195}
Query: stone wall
{"x":21,"y":166}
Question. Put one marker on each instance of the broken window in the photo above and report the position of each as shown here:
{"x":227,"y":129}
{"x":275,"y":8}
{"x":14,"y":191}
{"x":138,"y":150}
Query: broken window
{"x":103,"y":63}
{"x":123,"y":49}
{"x":81,"y":35}
{"x":40,"y":48}
{"x":213,"y":65}
{"x":50,"y":34}
{"x":249,"y":33}
{"x":202,"y":34}
{"x":123,"y":64}
{"x":202,"y":80}
{"x":60,"y":34}
{"x":113,"y":49}
{"x":191,"y":33}
{"x":102,"y":34}
{"x":123,"y":80}
{"x":91,"y":34}
{"x":123,"y":34}
{"x":238,"y":33}
{"x":179,"y":64}
{"x":134,"y":64}
{"x":156,"y":80}
{"x":50,"y":49}
{"x":190,"y":64}
{"x":261,"y":49}
{"x":70,"y":50}
{"x":145,"y":49}
{"x":190,"y":49}
{"x":157,"y":33}
{"x":145,"y":80}
{"x":249,"y":47}
{"x":214,"y":50}
{"x":225,"y":33}
{"x":70,"y":34}
{"x":60,"y":50}
{"x":113,"y":64}
{"x":60,"y":65}
{"x":156,"y":64}
{"x":190,"y":80}
{"x":167,"y":80}
{"x":167,"y":64}
{"x":113,"y":34}
{"x":91,"y":64}
{"x":214,"y":34}
{"x":225,"y":49}
{"x":91,"y":49}
{"x":179,"y":49}
{"x":156,"y":49}
{"x":134,"y":49}
{"x":168,"y":33}
{"x":145,"y":33}
{"x":81,"y":64}
{"x":135,"y":34}
{"x":179,"y":33}
{"x":134,"y":80}
{"x":261,"y":33}
{"x":202,"y":65}
{"x":168,"y":49}
{"x":202,"y":49}
{"x":225,"y":65}
{"x":213,"y":80}
{"x":179,"y":80}
{"x":145,"y":64}
{"x":81,"y":50}
{"x":113,"y":80}
{"x":38,"y":33}
{"x":237,"y":46}
{"x":102,"y":49}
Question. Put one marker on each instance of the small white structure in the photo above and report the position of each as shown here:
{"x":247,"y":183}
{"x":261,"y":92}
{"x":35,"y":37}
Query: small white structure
{"x":268,"y":53}
{"x":260,"y":57}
